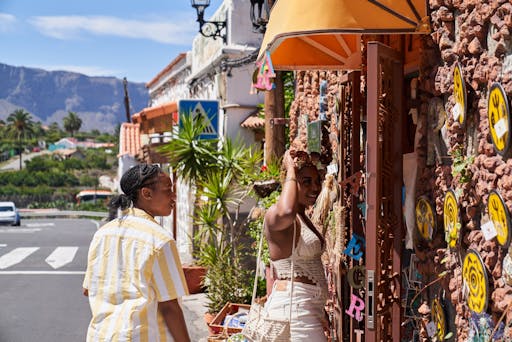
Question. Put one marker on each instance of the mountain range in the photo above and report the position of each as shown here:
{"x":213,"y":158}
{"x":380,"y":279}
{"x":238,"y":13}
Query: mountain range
{"x":49,"y":95}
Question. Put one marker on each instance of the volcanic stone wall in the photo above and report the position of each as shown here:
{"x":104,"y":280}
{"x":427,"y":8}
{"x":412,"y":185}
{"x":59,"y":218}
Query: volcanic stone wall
{"x":475,"y":34}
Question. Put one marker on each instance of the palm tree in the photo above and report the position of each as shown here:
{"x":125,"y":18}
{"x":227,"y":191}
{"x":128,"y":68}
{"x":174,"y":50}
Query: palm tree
{"x":189,"y":155}
{"x":72,"y":123}
{"x":20,"y":126}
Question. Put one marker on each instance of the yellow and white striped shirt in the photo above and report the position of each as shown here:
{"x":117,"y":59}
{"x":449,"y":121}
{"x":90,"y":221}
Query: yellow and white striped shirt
{"x":132,"y":265}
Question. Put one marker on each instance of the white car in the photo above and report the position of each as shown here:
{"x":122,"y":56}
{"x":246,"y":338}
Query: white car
{"x":9,"y":214}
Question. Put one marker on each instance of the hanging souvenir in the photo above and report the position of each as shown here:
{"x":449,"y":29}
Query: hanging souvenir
{"x":263,"y":76}
{"x":475,"y":278}
{"x":438,"y":318}
{"x":451,"y":219}
{"x":500,"y":217}
{"x":498,"y":114}
{"x":425,"y":218}
{"x":459,"y":91}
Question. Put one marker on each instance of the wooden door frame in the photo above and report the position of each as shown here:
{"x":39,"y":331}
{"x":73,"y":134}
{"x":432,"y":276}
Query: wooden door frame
{"x":376,"y":52}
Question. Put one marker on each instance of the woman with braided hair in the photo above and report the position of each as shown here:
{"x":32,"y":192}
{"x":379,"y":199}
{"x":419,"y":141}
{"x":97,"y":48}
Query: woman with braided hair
{"x":134,"y":276}
{"x":283,"y":221}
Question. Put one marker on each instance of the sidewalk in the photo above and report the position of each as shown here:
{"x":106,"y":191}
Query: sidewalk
{"x":194,"y":307}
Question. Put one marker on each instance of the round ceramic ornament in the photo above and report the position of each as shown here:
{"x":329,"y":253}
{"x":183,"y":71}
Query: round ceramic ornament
{"x":459,"y":91}
{"x":498,"y":114}
{"x":438,"y":318}
{"x":451,"y":219}
{"x":475,"y":277}
{"x":500,"y":217}
{"x":425,"y":218}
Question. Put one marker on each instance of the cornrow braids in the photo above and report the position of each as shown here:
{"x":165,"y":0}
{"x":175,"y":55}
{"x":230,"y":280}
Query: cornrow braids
{"x":137,"y":177}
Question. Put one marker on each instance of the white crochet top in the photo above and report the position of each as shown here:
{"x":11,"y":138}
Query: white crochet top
{"x":307,"y":261}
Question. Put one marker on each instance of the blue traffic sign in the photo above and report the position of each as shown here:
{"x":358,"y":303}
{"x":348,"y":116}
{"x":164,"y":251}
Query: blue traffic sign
{"x":208,"y":110}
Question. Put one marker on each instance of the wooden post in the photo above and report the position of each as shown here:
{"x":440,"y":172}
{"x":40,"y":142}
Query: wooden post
{"x":126,"y":100}
{"x":274,"y":109}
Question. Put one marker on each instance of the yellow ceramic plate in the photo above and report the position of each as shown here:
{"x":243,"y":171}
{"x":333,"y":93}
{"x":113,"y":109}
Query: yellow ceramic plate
{"x":425,"y":218}
{"x":475,"y":277}
{"x":498,"y":114}
{"x":500,"y":217}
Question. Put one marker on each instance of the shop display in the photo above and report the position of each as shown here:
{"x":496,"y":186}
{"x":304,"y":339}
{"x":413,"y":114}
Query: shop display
{"x":425,"y":218}
{"x":500,"y":217}
{"x":459,"y":91}
{"x":439,"y":319}
{"x":475,"y":278}
{"x":499,"y":119}
{"x":451,"y":219}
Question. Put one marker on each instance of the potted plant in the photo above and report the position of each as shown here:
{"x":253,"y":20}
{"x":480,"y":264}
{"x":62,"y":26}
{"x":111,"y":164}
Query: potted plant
{"x":267,"y":180}
{"x":220,"y":173}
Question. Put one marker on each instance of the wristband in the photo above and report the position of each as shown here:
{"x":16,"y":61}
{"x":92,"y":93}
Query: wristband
{"x":289,"y":179}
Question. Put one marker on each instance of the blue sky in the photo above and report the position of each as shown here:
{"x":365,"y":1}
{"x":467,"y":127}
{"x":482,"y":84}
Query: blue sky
{"x":135,"y":39}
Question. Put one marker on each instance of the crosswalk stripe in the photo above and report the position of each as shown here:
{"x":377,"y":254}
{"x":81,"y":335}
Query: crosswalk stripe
{"x":61,"y":256}
{"x":15,"y":256}
{"x":42,"y":272}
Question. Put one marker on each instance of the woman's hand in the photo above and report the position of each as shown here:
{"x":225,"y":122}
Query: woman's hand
{"x":288,"y":161}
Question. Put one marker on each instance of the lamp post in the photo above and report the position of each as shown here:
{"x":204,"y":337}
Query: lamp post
{"x":208,"y":29}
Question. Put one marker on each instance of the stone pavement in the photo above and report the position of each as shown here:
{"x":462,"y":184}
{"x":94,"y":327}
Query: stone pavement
{"x":194,"y":308}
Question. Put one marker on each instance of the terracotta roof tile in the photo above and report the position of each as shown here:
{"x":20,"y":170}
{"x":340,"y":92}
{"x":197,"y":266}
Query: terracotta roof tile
{"x":129,"y":139}
{"x":148,"y":113}
{"x":253,"y":122}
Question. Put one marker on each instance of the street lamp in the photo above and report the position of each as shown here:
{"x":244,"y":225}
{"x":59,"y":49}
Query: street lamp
{"x":208,"y":28}
{"x":260,"y":11}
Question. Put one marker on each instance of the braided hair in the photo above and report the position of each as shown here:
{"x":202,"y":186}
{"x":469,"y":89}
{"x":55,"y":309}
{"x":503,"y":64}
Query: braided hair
{"x":137,"y":177}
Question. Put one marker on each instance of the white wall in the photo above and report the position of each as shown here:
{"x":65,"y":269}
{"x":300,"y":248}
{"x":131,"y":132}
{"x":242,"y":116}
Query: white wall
{"x":172,"y":86}
{"x":240,"y":26}
{"x":205,"y":80}
{"x":184,"y":204}
{"x":124,"y":164}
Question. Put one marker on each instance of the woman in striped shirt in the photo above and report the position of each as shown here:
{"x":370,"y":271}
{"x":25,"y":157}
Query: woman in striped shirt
{"x":134,"y":276}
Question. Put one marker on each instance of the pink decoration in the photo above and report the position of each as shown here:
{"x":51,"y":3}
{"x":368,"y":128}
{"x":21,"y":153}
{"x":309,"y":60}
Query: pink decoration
{"x":356,"y":304}
{"x":265,"y":74}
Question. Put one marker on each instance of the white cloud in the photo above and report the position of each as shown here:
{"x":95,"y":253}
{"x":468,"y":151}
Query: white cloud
{"x":168,"y":31}
{"x":81,"y":69}
{"x":6,"y":22}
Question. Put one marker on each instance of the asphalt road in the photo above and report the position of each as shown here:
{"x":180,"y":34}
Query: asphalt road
{"x":41,"y":271}
{"x":14,"y":163}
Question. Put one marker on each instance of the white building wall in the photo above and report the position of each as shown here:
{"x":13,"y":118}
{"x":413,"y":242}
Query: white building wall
{"x":124,"y":164}
{"x":172,"y":86}
{"x":185,"y":202}
{"x":202,"y":78}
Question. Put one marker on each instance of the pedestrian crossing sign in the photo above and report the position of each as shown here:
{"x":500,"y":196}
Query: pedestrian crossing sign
{"x":208,"y":110}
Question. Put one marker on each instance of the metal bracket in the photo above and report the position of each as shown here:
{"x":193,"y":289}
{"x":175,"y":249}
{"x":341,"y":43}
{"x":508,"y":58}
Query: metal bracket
{"x":370,"y":299}
{"x":279,"y":121}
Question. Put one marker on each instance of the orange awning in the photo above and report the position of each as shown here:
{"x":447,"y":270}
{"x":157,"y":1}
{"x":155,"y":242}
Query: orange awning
{"x":169,"y":108}
{"x":326,"y":34}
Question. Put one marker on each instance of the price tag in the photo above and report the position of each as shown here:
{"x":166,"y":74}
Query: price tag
{"x":431,"y":329}
{"x":501,"y":127}
{"x":489,"y":230}
{"x":456,"y":111}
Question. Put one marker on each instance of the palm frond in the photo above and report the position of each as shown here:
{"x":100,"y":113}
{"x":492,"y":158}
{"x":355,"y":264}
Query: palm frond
{"x":187,"y":153}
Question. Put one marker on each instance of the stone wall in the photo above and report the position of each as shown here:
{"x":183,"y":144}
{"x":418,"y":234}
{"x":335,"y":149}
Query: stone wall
{"x":476,"y":35}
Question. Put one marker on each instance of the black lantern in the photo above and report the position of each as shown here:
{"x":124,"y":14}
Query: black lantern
{"x":212,"y":29}
{"x":260,"y":11}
